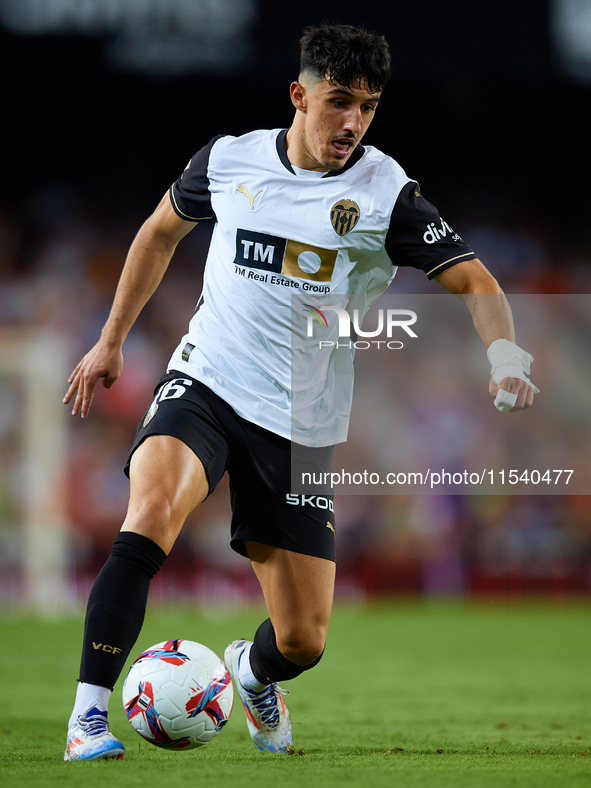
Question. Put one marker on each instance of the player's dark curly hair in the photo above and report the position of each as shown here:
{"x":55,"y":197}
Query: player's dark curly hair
{"x":345,"y":55}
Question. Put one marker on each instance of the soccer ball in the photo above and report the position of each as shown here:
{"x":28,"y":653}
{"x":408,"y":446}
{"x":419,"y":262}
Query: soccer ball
{"x":178,"y":695}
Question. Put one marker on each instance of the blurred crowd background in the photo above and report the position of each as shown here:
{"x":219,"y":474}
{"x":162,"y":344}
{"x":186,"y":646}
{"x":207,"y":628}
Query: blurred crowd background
{"x":105,"y":101}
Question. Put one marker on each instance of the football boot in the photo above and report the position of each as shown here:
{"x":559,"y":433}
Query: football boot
{"x":89,"y":738}
{"x":266,"y":713}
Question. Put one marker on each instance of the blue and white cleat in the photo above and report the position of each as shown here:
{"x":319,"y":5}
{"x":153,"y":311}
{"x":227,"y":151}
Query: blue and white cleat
{"x":90,"y":738}
{"x":266,"y":713}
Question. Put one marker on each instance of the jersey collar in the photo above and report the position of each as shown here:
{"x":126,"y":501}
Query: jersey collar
{"x":353,"y":159}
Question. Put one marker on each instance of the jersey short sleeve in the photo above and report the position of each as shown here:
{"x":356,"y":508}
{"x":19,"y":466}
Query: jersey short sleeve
{"x":420,"y":238}
{"x":189,"y":195}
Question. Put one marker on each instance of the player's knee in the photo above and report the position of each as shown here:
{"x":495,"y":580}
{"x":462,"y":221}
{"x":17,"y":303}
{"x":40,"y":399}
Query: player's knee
{"x":302,"y":646}
{"x":155,"y":517}
{"x":156,"y":509}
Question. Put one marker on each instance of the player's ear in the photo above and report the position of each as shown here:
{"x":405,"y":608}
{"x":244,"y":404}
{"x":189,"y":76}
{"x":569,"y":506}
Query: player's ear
{"x":298,"y":96}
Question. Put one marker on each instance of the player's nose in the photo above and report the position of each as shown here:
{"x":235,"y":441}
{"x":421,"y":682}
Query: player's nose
{"x":354,"y":120}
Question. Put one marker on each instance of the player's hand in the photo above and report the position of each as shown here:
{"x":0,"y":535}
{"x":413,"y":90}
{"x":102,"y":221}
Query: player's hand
{"x":523,"y":392}
{"x":103,"y":361}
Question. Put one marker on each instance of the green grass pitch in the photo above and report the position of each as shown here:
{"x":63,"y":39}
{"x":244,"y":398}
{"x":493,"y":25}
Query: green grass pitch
{"x":408,"y":694}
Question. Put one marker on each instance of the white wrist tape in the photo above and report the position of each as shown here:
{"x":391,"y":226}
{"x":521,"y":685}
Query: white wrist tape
{"x":508,"y":360}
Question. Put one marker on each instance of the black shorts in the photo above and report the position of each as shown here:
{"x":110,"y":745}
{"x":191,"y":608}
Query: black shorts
{"x":259,"y":465}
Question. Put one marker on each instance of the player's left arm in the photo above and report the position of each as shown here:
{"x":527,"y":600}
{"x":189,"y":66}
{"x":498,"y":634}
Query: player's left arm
{"x":493,"y":321}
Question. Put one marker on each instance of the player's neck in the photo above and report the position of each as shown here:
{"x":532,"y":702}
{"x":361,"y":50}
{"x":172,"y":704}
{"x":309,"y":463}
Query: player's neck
{"x":297,"y":151}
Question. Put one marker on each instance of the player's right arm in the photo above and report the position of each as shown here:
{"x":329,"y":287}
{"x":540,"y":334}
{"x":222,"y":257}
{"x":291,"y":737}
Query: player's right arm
{"x":147,"y":260}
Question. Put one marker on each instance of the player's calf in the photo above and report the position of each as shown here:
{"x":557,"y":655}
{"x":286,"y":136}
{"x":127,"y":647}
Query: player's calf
{"x":114,"y":618}
{"x":302,"y":647}
{"x":297,"y":653}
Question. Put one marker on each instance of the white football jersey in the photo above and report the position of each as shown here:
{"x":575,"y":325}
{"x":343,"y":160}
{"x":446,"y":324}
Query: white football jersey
{"x":283,"y":239}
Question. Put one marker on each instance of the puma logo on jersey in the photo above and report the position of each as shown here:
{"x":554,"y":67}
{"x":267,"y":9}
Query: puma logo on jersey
{"x":331,"y":526}
{"x":243,"y":190}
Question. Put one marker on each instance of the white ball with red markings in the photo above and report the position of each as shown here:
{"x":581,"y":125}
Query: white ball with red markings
{"x":178,"y":695}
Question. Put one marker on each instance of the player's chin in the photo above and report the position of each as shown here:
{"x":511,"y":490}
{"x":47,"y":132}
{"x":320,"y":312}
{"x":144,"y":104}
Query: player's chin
{"x":336,"y":159}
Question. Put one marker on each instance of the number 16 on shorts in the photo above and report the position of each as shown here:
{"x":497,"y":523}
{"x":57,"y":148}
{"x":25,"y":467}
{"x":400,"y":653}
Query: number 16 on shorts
{"x":174,"y":389}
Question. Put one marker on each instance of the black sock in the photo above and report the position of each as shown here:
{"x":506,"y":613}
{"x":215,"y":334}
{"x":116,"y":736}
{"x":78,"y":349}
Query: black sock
{"x":116,"y":607}
{"x":268,"y":663}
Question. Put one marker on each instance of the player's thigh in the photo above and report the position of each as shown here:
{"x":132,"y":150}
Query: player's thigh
{"x":167,"y":481}
{"x":298,"y":591}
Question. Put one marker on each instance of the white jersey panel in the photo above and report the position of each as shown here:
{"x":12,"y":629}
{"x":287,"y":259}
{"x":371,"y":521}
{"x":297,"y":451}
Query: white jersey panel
{"x":279,"y":234}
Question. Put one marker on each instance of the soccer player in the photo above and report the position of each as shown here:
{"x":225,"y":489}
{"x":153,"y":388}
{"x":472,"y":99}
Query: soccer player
{"x":295,"y":209}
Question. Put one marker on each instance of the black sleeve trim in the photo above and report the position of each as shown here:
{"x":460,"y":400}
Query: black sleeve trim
{"x":418,"y":237}
{"x":183,"y":215}
{"x":189,"y":194}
